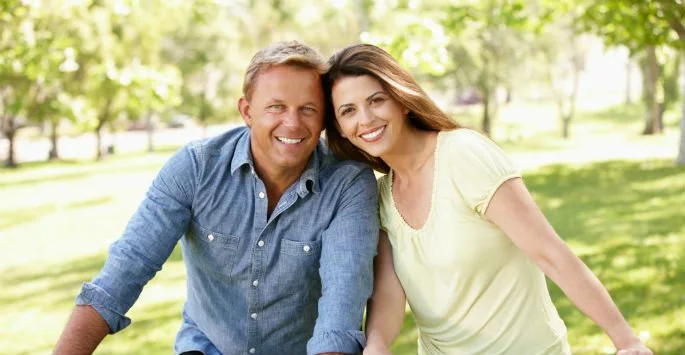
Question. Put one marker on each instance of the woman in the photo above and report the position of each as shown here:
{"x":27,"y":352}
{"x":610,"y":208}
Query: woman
{"x":465,"y":241}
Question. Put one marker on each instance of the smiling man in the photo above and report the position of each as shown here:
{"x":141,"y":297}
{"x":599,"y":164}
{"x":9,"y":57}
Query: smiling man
{"x":278,"y":236}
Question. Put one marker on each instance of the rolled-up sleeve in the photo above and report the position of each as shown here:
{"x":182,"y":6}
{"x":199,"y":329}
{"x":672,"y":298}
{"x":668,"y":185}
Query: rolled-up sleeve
{"x":346,"y":268}
{"x":148,"y":240}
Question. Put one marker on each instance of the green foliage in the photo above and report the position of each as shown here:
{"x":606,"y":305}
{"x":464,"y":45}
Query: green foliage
{"x":420,"y":46}
{"x":634,"y":24}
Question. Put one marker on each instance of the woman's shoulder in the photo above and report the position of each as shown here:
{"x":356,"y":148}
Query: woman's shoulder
{"x":463,"y":138}
{"x":467,"y":144}
{"x":383,"y":187}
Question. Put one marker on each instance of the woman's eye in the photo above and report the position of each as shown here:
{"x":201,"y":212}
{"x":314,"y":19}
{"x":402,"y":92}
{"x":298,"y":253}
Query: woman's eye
{"x":376,"y":100}
{"x":346,"y":111}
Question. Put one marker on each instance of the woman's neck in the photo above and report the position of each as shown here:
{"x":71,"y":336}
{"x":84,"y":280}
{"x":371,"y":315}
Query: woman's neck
{"x":413,"y":151}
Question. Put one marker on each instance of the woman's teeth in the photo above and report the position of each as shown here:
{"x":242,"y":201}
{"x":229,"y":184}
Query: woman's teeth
{"x":374,"y":134}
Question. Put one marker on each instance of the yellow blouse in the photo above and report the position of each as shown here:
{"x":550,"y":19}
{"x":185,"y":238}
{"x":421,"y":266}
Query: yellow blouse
{"x":471,"y":290}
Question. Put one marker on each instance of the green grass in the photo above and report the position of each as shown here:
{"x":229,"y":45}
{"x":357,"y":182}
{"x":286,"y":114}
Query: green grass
{"x":624,"y":218}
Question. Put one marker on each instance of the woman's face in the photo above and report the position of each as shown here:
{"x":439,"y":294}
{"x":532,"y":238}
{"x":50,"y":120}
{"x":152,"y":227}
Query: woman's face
{"x":367,"y":115}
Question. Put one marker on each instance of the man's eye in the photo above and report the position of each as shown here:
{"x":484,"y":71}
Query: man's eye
{"x":277,"y":107}
{"x":308,"y":110}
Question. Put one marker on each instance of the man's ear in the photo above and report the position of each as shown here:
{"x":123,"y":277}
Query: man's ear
{"x":244,"y":109}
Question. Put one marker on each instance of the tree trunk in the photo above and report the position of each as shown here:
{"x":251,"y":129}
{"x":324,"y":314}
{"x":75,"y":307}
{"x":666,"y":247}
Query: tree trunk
{"x":10,"y":132}
{"x":150,"y":133}
{"x":54,"y":153}
{"x":629,"y":81}
{"x":681,"y":151}
{"x":98,"y":142}
{"x":652,"y":107}
{"x":486,"y":125}
{"x":566,"y":126}
{"x":364,"y":21}
{"x":103,"y":117}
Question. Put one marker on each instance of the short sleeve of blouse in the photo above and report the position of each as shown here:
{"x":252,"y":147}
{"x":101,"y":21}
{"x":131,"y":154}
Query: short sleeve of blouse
{"x":478,"y":167}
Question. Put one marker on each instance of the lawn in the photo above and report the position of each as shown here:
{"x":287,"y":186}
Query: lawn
{"x":623,"y":216}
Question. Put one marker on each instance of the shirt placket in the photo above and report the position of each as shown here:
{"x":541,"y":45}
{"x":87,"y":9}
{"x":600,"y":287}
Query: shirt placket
{"x":258,"y":261}
{"x":263,"y":229}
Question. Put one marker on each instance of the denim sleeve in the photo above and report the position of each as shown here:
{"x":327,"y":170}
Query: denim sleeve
{"x":148,"y":240}
{"x":349,"y":246}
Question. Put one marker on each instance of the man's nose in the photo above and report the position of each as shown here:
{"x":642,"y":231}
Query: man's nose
{"x":292,"y":118}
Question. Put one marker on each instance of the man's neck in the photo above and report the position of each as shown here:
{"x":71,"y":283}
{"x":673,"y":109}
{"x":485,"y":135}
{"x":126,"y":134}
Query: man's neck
{"x":276,"y":181}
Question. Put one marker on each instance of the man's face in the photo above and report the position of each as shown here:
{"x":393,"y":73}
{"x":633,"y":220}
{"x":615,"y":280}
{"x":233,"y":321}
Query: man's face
{"x":285,"y":115}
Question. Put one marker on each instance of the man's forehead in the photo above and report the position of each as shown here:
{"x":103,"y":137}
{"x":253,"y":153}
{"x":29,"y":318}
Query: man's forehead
{"x":287,"y":69}
{"x":287,"y":81}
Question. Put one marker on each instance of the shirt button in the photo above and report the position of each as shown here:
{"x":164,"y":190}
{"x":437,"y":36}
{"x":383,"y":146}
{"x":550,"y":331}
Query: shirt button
{"x":253,"y":315}
{"x":210,"y":237}
{"x":261,"y":194}
{"x":306,"y":248}
{"x":255,"y":283}
{"x":252,"y":351}
{"x":260,"y":243}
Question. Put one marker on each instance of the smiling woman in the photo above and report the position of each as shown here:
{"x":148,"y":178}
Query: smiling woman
{"x":463,"y":240}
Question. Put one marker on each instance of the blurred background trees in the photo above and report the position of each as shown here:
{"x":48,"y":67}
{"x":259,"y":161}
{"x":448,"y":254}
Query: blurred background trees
{"x":103,"y":66}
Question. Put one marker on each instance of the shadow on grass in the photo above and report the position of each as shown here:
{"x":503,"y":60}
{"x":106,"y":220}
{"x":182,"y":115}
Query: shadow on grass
{"x":632,"y":113}
{"x":620,"y":114}
{"x":151,"y":332}
{"x":27,"y":215}
{"x":48,"y":286}
{"x":627,"y":222}
{"x":78,"y":173}
{"x":65,"y":170}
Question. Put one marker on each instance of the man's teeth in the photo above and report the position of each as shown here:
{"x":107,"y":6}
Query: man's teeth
{"x":290,"y":140}
{"x":373,"y":134}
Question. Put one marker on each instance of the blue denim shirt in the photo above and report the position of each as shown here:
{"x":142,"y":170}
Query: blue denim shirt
{"x":294,"y":283}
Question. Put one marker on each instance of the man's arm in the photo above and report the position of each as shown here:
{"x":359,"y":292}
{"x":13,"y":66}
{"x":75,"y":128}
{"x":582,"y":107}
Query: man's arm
{"x":148,"y":240}
{"x":83,"y":333}
{"x":346,"y":267}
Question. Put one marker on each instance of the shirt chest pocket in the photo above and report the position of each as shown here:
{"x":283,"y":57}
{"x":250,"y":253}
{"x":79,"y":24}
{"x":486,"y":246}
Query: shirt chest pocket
{"x":298,"y":266}
{"x":213,"y":252}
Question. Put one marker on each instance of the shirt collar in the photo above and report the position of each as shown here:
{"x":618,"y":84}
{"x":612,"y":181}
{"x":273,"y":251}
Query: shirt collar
{"x":242,"y":154}
{"x":308,"y":181}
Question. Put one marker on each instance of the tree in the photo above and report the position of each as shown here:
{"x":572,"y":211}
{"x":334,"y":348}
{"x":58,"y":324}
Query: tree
{"x":641,"y":26}
{"x":564,"y":54}
{"x":496,"y":28}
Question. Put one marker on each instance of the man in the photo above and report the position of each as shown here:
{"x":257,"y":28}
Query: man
{"x":279,"y":235}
